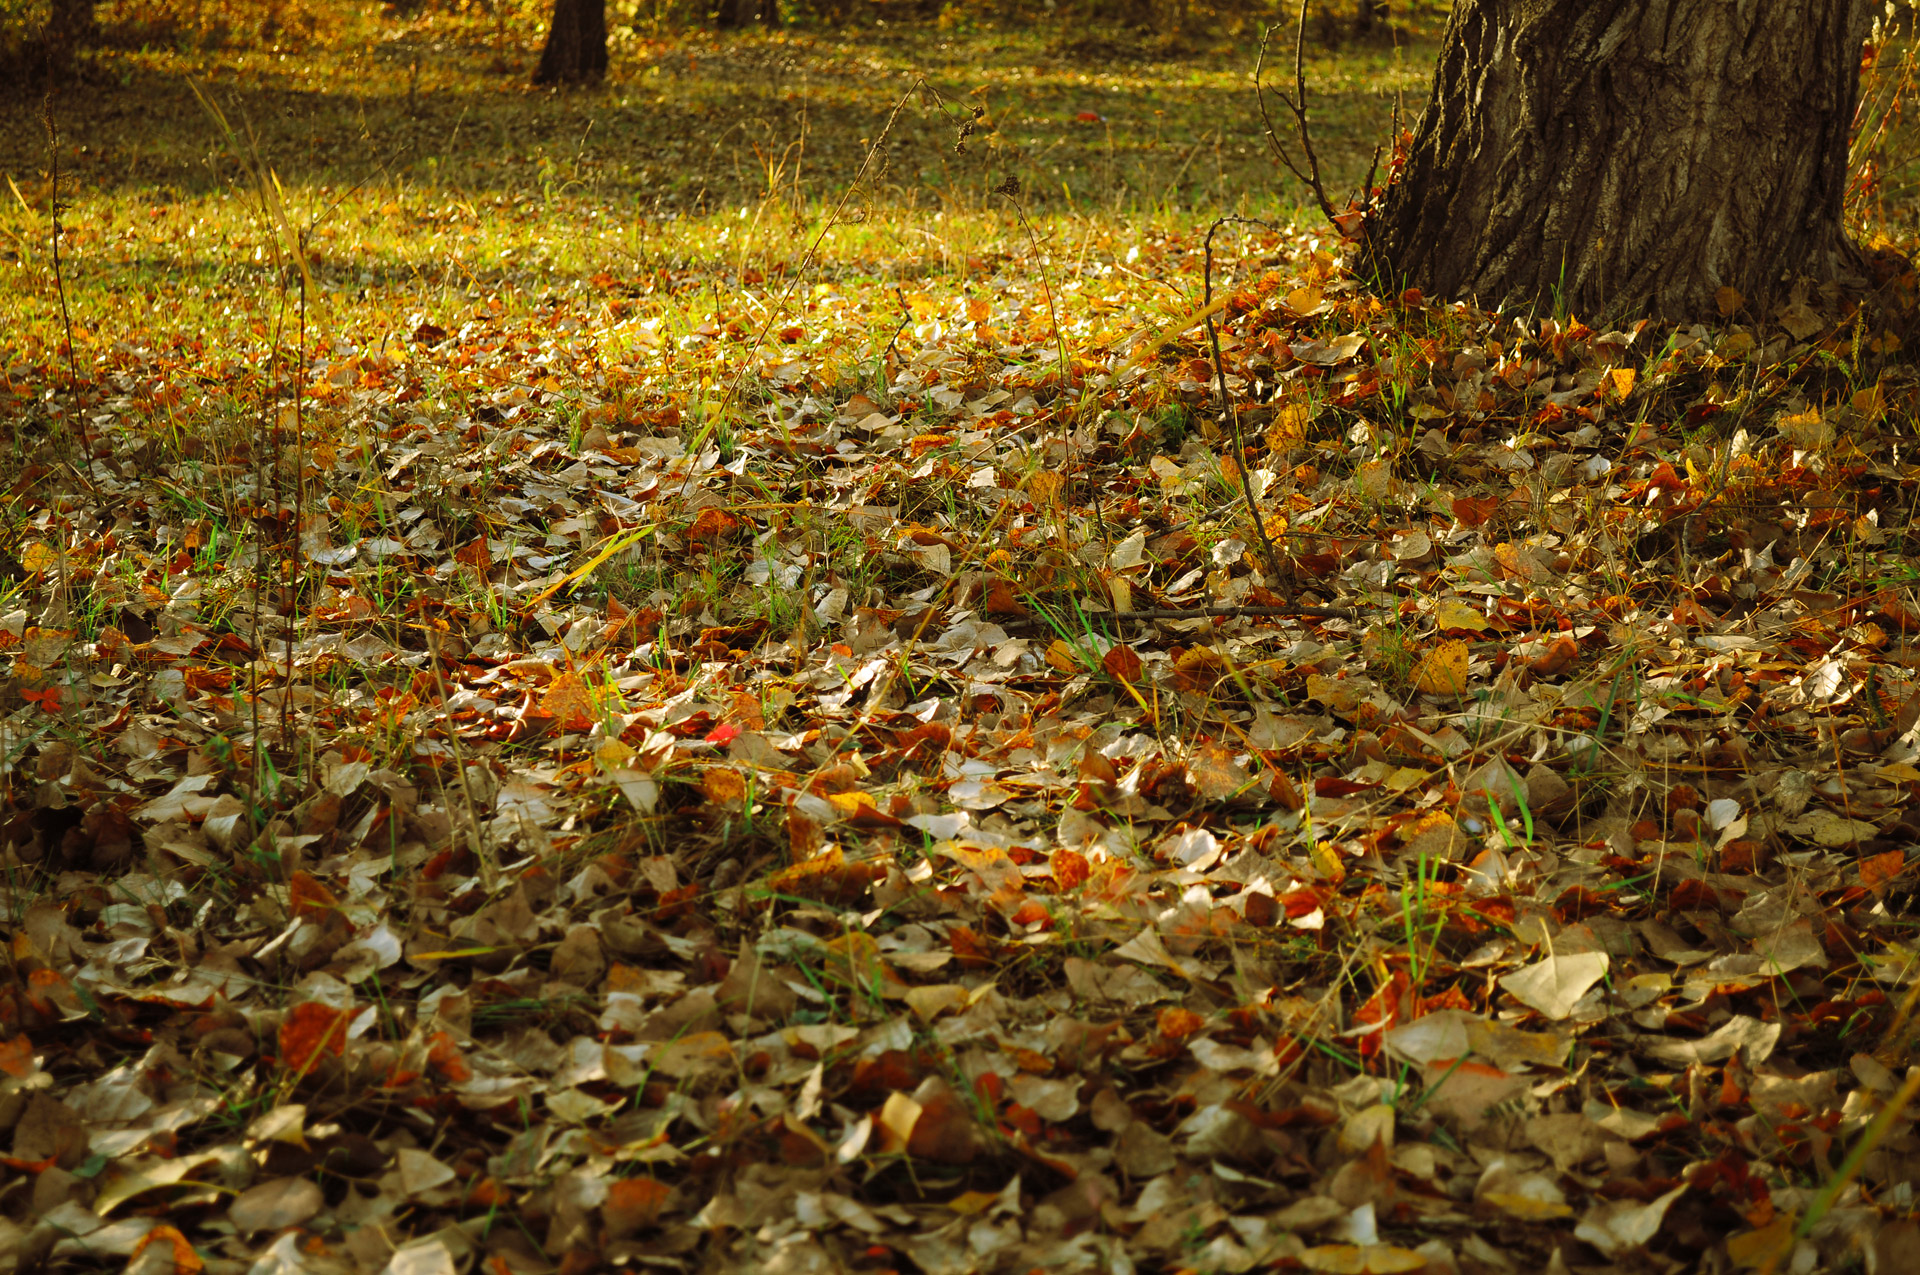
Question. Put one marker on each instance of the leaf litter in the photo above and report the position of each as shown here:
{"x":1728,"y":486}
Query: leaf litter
{"x":518,"y":811}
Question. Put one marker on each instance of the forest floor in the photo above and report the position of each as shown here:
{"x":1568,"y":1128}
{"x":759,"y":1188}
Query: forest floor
{"x":623,"y":678}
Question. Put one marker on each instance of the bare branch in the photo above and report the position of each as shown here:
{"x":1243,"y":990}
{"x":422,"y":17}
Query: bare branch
{"x":1297,"y":104}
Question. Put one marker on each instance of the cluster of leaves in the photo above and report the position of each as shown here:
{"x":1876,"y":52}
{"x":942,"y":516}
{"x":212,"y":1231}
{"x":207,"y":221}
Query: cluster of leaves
{"x":716,"y":765}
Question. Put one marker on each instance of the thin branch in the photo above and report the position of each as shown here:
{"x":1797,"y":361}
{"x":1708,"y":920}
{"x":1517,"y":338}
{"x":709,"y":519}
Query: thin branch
{"x":1228,"y":410}
{"x":53,"y":211}
{"x":1297,"y":104}
{"x":1232,"y":612}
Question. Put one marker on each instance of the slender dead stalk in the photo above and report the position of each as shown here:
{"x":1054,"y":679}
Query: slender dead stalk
{"x":1229,"y":412}
{"x":1297,"y":104}
{"x":1235,"y":613}
{"x":53,"y":212}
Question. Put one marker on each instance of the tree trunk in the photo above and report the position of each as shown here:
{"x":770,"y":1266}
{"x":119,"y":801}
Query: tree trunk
{"x":70,"y":24}
{"x":1367,"y":14}
{"x":71,"y":19}
{"x":576,"y":43}
{"x":1629,"y":158}
{"x":738,"y":13}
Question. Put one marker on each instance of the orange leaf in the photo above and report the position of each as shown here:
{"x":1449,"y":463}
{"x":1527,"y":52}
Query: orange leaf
{"x":944,"y":1131}
{"x":712,"y":524}
{"x":1875,"y":872}
{"x":488,"y":1194}
{"x":1070,"y":868}
{"x":1177,"y":1022}
{"x":308,"y":898}
{"x":723,"y":786}
{"x":443,"y":1055}
{"x":1559,"y":657}
{"x":1474,"y":510}
{"x":569,"y":700}
{"x":309,"y":1030}
{"x":1123,"y":663}
{"x":1001,"y":600}
{"x":1198,"y":669}
{"x":633,"y":1203}
{"x":16,"y":1056}
{"x":185,"y":1260}
{"x":49,"y":992}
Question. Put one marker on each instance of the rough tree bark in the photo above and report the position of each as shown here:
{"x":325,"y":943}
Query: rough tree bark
{"x":576,"y":49}
{"x":1629,"y":158}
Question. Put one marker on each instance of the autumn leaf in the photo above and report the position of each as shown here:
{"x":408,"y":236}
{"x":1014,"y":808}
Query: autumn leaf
{"x":311,"y":1031}
{"x":1442,"y":670}
{"x":569,"y":699}
{"x":1122,"y":663}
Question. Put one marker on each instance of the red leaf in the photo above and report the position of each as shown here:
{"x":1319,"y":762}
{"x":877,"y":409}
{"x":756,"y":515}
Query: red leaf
{"x":310,"y":1030}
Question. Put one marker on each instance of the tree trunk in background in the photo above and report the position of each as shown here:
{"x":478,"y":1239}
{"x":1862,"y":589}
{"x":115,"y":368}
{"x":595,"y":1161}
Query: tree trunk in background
{"x":70,"y":24}
{"x":71,"y":18}
{"x":738,"y":13}
{"x":1369,"y":14}
{"x":1629,"y":158}
{"x":576,"y":48}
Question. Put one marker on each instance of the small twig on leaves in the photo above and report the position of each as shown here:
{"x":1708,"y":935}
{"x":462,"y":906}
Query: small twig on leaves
{"x":53,"y":212}
{"x":1229,"y":412}
{"x":1310,"y":175}
{"x":1234,"y":613}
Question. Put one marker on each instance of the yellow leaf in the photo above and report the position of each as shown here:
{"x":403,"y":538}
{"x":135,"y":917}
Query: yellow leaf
{"x":850,"y":804}
{"x":1620,"y":383}
{"x":1452,"y":613}
{"x":1443,"y":670}
{"x":614,"y":754}
{"x":1870,"y":403}
{"x":1528,"y":1207}
{"x":967,"y":1203}
{"x":897,"y":1118}
{"x":1305,"y":301}
{"x":1362,"y":1259}
{"x":1764,"y":1246}
{"x":1289,"y":426}
{"x":1062,"y":657}
{"x":1729,"y":300}
{"x":37,"y":557}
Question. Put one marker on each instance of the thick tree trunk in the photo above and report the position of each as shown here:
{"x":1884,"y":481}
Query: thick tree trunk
{"x":738,"y":13}
{"x":70,"y":24}
{"x":576,"y":48}
{"x":71,"y":19}
{"x":1629,"y":158}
